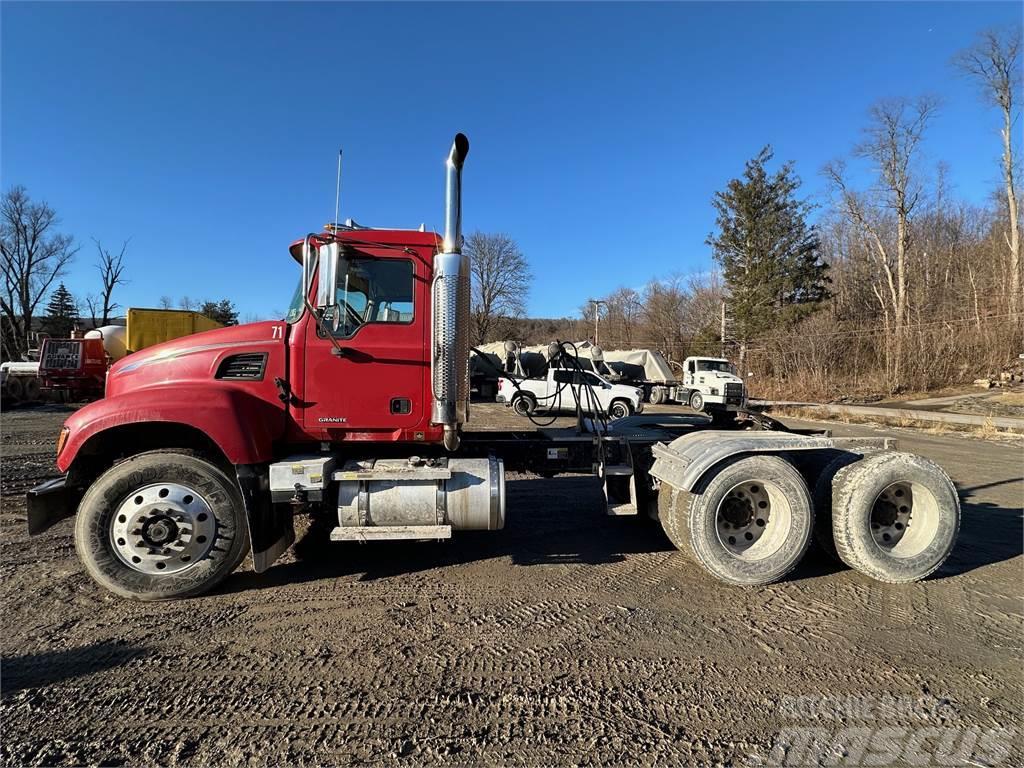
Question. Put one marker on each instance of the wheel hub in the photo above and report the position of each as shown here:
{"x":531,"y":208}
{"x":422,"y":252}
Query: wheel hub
{"x":891,"y":515}
{"x":163,"y":528}
{"x":743,"y":516}
{"x":159,"y":530}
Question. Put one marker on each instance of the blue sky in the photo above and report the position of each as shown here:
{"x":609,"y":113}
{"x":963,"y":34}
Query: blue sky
{"x":208,"y":133}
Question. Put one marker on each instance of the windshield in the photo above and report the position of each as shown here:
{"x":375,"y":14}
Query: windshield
{"x":715,"y":365}
{"x":297,"y":304}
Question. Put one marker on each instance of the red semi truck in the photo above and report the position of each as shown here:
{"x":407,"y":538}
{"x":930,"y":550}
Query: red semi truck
{"x":354,"y":406}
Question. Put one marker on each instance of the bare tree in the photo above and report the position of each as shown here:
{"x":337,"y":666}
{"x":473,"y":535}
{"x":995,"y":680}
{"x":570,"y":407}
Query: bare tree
{"x":892,"y":143}
{"x":111,"y":269}
{"x":34,"y":255}
{"x":188,"y":303}
{"x":501,"y":282}
{"x":166,"y":302}
{"x":993,"y":62}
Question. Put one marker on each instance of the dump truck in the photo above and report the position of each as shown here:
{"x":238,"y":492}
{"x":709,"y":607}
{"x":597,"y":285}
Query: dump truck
{"x":76,"y":368}
{"x":355,"y":407}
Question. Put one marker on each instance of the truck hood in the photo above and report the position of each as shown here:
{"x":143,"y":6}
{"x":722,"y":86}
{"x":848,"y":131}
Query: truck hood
{"x":198,"y":357}
{"x":720,"y":377}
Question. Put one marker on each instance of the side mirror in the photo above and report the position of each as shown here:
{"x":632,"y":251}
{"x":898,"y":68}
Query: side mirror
{"x":308,"y":260}
{"x":327,"y":276}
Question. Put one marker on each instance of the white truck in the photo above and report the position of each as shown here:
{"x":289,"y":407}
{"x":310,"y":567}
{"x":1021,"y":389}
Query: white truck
{"x":563,"y":388}
{"x":711,"y":385}
{"x":19,"y":382}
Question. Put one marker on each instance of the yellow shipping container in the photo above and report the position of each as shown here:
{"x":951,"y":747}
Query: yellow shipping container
{"x":146,"y":327}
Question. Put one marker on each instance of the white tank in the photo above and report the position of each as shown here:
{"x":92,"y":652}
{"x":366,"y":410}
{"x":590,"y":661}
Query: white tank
{"x":115,"y":340}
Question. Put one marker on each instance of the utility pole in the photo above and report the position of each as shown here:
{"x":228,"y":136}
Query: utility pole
{"x":597,"y":315}
{"x":723,"y":328}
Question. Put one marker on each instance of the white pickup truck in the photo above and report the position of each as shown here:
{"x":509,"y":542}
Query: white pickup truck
{"x":563,"y":388}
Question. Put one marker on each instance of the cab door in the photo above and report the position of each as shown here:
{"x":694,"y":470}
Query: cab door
{"x":367,"y":381}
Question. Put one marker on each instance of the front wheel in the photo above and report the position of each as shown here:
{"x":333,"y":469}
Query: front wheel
{"x":160,"y":526}
{"x":697,"y":401}
{"x":620,"y":409}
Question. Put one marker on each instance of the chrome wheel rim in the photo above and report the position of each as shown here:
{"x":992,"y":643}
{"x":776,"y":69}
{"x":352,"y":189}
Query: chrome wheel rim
{"x":753,"y":520}
{"x":162,"y":529}
{"x":904,"y":519}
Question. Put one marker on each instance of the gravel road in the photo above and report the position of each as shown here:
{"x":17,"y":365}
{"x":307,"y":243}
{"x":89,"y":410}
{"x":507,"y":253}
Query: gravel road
{"x":568,"y":638}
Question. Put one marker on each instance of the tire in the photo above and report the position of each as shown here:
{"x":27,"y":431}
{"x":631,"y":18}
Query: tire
{"x":875,"y":505}
{"x":620,"y":409}
{"x":32,"y":389}
{"x":657,"y":396}
{"x":15,"y":388}
{"x":695,"y":524}
{"x":524,"y":405}
{"x":697,"y":401}
{"x":822,"y":498}
{"x":197,"y":529}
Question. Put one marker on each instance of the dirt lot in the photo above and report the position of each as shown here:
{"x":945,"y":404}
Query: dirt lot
{"x":568,"y":638}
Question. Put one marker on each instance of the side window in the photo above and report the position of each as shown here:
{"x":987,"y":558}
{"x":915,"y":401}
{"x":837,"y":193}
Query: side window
{"x":690,"y":366}
{"x":563,"y":376}
{"x":373,"y":291}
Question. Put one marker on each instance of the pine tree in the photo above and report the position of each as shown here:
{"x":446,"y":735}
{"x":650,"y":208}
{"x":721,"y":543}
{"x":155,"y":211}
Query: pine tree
{"x":770,"y":256}
{"x":61,"y":313}
{"x":222,"y":311}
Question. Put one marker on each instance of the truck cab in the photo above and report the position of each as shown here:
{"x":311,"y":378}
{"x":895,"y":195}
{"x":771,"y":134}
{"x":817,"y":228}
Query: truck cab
{"x":711,"y":385}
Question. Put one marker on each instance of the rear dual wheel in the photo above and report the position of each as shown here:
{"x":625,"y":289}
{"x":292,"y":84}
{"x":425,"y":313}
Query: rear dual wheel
{"x":895,"y":516}
{"x":160,"y":526}
{"x":748,"y":524}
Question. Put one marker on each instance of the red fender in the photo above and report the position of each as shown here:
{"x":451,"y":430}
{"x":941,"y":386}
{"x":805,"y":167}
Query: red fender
{"x":241,"y":425}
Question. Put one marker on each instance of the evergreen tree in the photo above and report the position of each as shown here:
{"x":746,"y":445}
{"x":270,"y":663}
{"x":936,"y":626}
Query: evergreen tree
{"x":770,"y":256}
{"x":222,"y":311}
{"x":61,"y":313}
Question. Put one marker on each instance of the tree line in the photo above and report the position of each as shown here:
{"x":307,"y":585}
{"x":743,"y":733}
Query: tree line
{"x":36,"y":256}
{"x":898,"y":286}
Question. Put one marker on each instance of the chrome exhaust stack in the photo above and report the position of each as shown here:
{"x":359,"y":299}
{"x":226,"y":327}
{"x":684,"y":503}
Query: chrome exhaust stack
{"x":450,"y":296}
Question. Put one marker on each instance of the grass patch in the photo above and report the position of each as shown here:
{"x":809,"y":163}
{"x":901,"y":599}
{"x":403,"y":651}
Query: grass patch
{"x":985,"y":431}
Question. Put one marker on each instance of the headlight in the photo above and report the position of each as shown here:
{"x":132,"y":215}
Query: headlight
{"x":62,"y":439}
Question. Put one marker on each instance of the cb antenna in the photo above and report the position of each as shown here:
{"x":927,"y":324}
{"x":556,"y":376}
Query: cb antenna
{"x":337,"y":194}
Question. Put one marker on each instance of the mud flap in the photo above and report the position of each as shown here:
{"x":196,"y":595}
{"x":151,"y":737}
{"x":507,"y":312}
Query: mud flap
{"x":271,"y":530}
{"x":50,"y":503}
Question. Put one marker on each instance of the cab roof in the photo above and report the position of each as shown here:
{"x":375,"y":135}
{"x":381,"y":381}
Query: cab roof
{"x":367,"y":237}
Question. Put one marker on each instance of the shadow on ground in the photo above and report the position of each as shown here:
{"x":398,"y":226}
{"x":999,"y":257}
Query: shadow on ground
{"x":43,"y":669}
{"x":557,"y":521}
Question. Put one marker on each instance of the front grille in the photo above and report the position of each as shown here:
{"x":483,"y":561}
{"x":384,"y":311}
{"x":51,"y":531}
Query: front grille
{"x":733,"y":390}
{"x":64,"y":354}
{"x":245,"y":367}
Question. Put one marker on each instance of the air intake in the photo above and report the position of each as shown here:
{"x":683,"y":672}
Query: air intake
{"x":245,"y":367}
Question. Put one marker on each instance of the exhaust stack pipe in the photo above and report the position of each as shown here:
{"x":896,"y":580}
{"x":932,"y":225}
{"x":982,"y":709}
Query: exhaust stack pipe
{"x":449,"y":359}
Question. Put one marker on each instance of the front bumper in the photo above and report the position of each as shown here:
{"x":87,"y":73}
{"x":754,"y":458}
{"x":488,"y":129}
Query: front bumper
{"x":640,"y":407}
{"x":50,"y":503}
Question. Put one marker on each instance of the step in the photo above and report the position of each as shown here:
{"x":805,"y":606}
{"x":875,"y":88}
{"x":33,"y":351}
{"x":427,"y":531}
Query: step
{"x":621,"y":509}
{"x":617,"y":469}
{"x":391,"y":532}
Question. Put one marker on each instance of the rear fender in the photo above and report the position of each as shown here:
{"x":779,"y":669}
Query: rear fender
{"x":685,"y":461}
